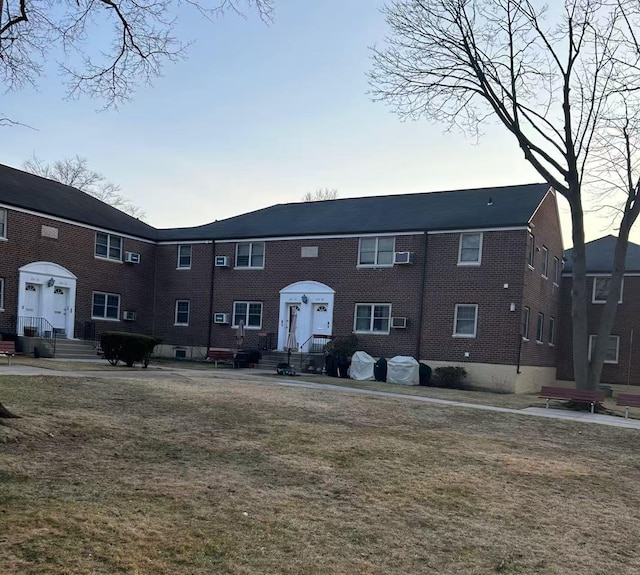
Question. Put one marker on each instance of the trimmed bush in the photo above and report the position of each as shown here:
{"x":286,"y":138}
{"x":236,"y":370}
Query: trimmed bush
{"x":450,"y":376}
{"x":127,"y":347}
{"x":342,"y":346}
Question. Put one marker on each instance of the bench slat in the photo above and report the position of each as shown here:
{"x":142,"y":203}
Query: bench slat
{"x":628,"y":399}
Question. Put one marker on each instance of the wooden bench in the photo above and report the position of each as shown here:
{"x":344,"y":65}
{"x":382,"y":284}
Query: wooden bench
{"x":564,"y":393}
{"x":8,"y":350}
{"x":628,"y":401}
{"x":219,"y":354}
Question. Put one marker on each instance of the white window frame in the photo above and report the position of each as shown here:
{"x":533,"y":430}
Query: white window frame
{"x":179,"y":266}
{"x":540,"y":328}
{"x":525,"y":322}
{"x":376,"y":264}
{"x":552,"y":331}
{"x":106,"y":298}
{"x":249,"y":266}
{"x":532,"y":254}
{"x":175,"y":316}
{"x":1,"y":294}
{"x":475,"y":321}
{"x":545,"y":262}
{"x":475,"y":262}
{"x":593,"y":290}
{"x":592,"y":341}
{"x":246,"y":315}
{"x":108,"y":256}
{"x":371,"y":330}
{"x":3,"y":224}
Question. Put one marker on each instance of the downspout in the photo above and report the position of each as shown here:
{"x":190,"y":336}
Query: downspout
{"x":423,"y":283}
{"x":213,"y":267}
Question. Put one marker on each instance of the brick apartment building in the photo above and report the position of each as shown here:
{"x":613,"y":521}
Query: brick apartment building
{"x":467,"y":277}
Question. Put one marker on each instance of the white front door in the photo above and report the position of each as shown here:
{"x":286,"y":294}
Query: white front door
{"x":321,"y":319}
{"x":31,"y":305}
{"x":59,"y":308}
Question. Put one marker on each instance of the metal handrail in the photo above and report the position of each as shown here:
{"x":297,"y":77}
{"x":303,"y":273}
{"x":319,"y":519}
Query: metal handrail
{"x":37,"y":327}
{"x":318,"y":345}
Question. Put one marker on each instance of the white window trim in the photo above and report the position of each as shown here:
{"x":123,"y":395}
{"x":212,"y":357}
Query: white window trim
{"x":250,"y":267}
{"x":371,"y":305}
{"x":107,"y":258}
{"x":593,"y":290}
{"x":3,"y":220}
{"x":552,"y":332}
{"x":1,"y":294}
{"x":178,"y":266}
{"x":375,"y":265}
{"x":246,"y":319}
{"x":591,"y":337}
{"x":540,"y":324}
{"x":544,"y":271}
{"x":525,"y":335}
{"x":106,"y":294}
{"x":556,"y":271}
{"x":475,"y":321}
{"x":479,"y":260}
{"x":175,"y":315}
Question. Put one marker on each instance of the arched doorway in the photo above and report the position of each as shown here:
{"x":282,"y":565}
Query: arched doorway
{"x":47,"y":290}
{"x":312,"y":304}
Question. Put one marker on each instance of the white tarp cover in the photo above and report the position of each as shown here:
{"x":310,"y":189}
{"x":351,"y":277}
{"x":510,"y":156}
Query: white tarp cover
{"x":403,"y":370}
{"x":362,"y":366}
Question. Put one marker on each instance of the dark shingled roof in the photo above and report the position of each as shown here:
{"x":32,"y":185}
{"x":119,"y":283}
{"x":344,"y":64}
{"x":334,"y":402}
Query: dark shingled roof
{"x":24,"y":190}
{"x":600,"y":256}
{"x":459,"y":209}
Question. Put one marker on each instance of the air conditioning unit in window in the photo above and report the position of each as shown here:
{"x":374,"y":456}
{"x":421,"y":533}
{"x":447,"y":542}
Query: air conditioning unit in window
{"x":399,"y":322}
{"x":129,"y":316}
{"x":131,"y":257}
{"x":223,"y":318}
{"x":403,"y":258}
{"x":222,"y":261}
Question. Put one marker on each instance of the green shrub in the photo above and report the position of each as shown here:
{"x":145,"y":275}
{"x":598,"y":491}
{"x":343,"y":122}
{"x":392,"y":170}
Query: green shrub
{"x":450,"y":376}
{"x":127,"y":347}
{"x":342,"y":346}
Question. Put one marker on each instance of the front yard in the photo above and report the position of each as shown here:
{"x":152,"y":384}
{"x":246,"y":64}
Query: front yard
{"x":198,"y":474}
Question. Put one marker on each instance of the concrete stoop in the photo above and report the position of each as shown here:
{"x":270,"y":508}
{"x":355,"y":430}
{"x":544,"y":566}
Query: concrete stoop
{"x":75,"y":349}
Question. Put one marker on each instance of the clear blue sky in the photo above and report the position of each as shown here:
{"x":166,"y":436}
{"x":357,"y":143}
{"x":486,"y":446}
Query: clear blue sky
{"x":259,"y":115}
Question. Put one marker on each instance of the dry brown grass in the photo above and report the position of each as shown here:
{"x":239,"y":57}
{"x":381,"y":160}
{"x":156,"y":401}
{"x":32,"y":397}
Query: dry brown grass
{"x":196,"y":475}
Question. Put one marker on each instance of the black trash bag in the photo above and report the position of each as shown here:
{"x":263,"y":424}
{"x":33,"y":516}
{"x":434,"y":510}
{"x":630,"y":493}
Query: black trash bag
{"x":331,"y":365}
{"x":424,"y":374}
{"x":343,"y":366}
{"x":380,"y":369}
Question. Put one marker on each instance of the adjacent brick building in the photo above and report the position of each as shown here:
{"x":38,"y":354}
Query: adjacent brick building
{"x":467,"y":277}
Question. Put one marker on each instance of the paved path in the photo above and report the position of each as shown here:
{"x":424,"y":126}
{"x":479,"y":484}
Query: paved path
{"x":254,"y":377}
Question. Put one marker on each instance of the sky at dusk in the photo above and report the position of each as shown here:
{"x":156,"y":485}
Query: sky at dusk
{"x":261,"y":114}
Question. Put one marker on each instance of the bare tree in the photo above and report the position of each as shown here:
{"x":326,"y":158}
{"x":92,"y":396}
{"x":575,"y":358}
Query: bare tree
{"x":320,"y":194}
{"x":76,"y":173}
{"x":140,"y":40}
{"x":564,"y":81}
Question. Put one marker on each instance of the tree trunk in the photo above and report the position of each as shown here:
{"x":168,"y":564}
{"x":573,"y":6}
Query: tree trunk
{"x":579,"y":296}
{"x":4,"y":412}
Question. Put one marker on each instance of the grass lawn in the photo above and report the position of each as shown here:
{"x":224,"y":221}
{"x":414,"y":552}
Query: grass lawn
{"x":200,"y":475}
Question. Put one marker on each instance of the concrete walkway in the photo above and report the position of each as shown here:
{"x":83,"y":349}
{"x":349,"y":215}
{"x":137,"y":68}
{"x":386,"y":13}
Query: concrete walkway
{"x":250,"y":377}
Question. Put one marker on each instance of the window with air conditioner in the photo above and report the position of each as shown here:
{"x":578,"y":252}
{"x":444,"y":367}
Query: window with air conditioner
{"x":376,"y":252}
{"x":108,"y":246}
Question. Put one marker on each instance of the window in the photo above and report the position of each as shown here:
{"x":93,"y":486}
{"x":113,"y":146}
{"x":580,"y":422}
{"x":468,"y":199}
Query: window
{"x":1,"y":294}
{"x":248,"y":311}
{"x":540,"y":328}
{"x":182,"y":312}
{"x":545,"y":261}
{"x":184,"y":257}
{"x":531,"y":250}
{"x":470,"y":249}
{"x":601,"y":290}
{"x":372,"y":318}
{"x":108,"y":246}
{"x":552,"y":331}
{"x":180,"y":353}
{"x":250,"y":255}
{"x":526,"y":312}
{"x":376,"y":251}
{"x":105,"y":306}
{"x":3,"y":224}
{"x":611,"y":353}
{"x":466,"y":320}
{"x":556,"y":271}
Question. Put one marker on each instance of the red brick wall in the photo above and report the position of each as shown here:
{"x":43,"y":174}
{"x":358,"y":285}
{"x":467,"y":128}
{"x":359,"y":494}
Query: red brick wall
{"x":74,"y":250}
{"x":627,"y":370}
